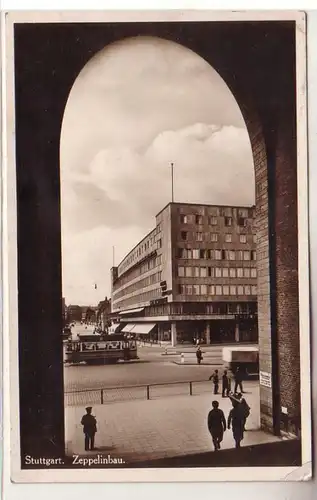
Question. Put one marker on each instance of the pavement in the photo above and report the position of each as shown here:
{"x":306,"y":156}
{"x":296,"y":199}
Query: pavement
{"x":140,"y":430}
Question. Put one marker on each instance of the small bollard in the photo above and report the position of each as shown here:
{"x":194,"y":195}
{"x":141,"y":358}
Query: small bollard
{"x":101,"y":396}
{"x":182,"y":358}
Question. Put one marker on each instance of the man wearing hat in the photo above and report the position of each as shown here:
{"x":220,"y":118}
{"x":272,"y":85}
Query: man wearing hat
{"x":90,"y":428}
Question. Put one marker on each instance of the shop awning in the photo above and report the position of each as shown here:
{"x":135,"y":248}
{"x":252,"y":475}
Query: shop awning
{"x":143,"y":329}
{"x":132,"y":311}
{"x":128,"y":328}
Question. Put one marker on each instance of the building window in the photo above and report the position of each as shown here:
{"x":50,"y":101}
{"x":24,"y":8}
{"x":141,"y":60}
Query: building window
{"x":228,"y":221}
{"x":253,"y":290}
{"x":199,"y":236}
{"x":243,"y":238}
{"x":232,"y":255}
{"x":188,"y":272}
{"x":211,"y":272}
{"x":218,"y":254}
{"x":233,"y":290}
{"x":181,"y":271}
{"x":213,"y":237}
{"x":196,"y":289}
{"x":239,"y":255}
{"x":159,"y":243}
{"x":240,"y":272}
{"x":227,"y":211}
{"x":198,"y":219}
{"x":253,"y":255}
{"x":202,"y":254}
{"x":228,"y":238}
{"x":218,"y":290}
{"x":240,"y":290}
{"x":225,"y":272}
{"x":183,"y":219}
{"x":203,"y":272}
{"x":247,"y":290}
{"x":243,"y":212}
{"x":189,"y":253}
{"x":212,"y":289}
{"x":196,"y":272}
{"x":246,"y":255}
{"x":225,"y":289}
{"x":213,"y":221}
{"x":232,"y":272}
{"x":242,"y":222}
{"x":253,"y":272}
{"x":218,"y":272}
{"x":203,"y":289}
{"x":247,"y":272}
{"x":184,"y":235}
{"x":195,"y":253}
{"x":181,"y":289}
{"x":189,"y":289}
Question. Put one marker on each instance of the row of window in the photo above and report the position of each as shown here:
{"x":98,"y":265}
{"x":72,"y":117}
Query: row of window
{"x":145,"y":282}
{"x":151,"y":263}
{"x":216,"y":272}
{"x":217,"y":290}
{"x":212,"y":220}
{"x":137,"y":300}
{"x":213,"y":237}
{"x":221,"y":212}
{"x":209,"y":254}
{"x":153,"y":242}
{"x":201,"y":308}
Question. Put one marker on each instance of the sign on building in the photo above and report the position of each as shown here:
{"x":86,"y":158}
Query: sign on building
{"x":265,"y":379}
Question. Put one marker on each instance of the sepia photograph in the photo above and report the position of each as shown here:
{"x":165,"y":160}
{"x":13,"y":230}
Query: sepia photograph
{"x":159,"y":291}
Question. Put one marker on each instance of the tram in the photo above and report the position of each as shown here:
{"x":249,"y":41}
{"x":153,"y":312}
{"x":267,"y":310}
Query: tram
{"x":100,"y":349}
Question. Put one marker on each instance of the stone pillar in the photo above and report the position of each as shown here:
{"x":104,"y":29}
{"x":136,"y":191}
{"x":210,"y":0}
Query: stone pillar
{"x":208,"y":332}
{"x":237,"y":332}
{"x":173,"y":334}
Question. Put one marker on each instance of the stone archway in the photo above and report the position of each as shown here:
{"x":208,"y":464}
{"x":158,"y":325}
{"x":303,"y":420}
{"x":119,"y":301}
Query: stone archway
{"x":257,"y":62}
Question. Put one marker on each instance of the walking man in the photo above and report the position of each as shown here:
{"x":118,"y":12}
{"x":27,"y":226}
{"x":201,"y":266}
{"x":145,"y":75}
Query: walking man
{"x":89,"y":423}
{"x":236,"y":420}
{"x":238,"y":377}
{"x":216,"y":424}
{"x":215,"y":378}
{"x":225,"y":384}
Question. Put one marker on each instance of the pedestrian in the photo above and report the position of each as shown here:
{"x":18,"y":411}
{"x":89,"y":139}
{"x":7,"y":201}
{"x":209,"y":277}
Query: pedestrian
{"x":225,"y":384}
{"x":245,"y":409}
{"x":199,"y":355}
{"x":238,"y":377}
{"x":236,"y":421}
{"x":90,"y":428}
{"x":216,"y":424}
{"x":215,"y":378}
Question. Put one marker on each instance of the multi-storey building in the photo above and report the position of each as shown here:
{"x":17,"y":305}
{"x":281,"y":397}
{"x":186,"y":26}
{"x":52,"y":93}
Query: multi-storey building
{"x":74,"y":313}
{"x":193,"y":276}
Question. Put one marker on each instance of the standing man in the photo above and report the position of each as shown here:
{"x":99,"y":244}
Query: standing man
{"x":238,"y":377}
{"x":245,"y":408}
{"x":225,"y":384}
{"x":216,"y":424}
{"x":215,"y":378}
{"x":236,"y":420}
{"x":90,"y":428}
{"x":199,"y":355}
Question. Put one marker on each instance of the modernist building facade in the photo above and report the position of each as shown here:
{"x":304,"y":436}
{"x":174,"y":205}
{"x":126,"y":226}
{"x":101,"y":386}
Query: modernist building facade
{"x":194,"y":276}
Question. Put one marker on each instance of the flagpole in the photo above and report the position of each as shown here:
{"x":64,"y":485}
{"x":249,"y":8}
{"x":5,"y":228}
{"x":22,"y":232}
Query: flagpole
{"x":172,"y":175}
{"x":113,"y":257}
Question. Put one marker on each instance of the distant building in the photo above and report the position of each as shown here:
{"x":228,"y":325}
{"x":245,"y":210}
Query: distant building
{"x":103,"y":314}
{"x":193,"y":276}
{"x":74,"y":313}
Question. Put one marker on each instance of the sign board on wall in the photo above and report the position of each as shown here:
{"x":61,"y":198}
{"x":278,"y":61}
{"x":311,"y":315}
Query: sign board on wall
{"x":265,"y":379}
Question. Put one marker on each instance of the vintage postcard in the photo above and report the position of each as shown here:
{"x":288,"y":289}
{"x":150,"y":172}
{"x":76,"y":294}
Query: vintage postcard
{"x":156,"y":246}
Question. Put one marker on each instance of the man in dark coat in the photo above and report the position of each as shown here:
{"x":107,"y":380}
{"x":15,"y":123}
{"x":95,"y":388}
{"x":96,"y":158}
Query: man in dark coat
{"x":216,"y":424}
{"x":236,"y":420}
{"x":238,"y":377}
{"x":245,"y":408}
{"x":90,"y":428}
{"x":199,"y":355}
{"x":225,"y":384}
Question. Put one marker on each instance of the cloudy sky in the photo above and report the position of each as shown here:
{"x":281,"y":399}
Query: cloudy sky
{"x":137,"y":106}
